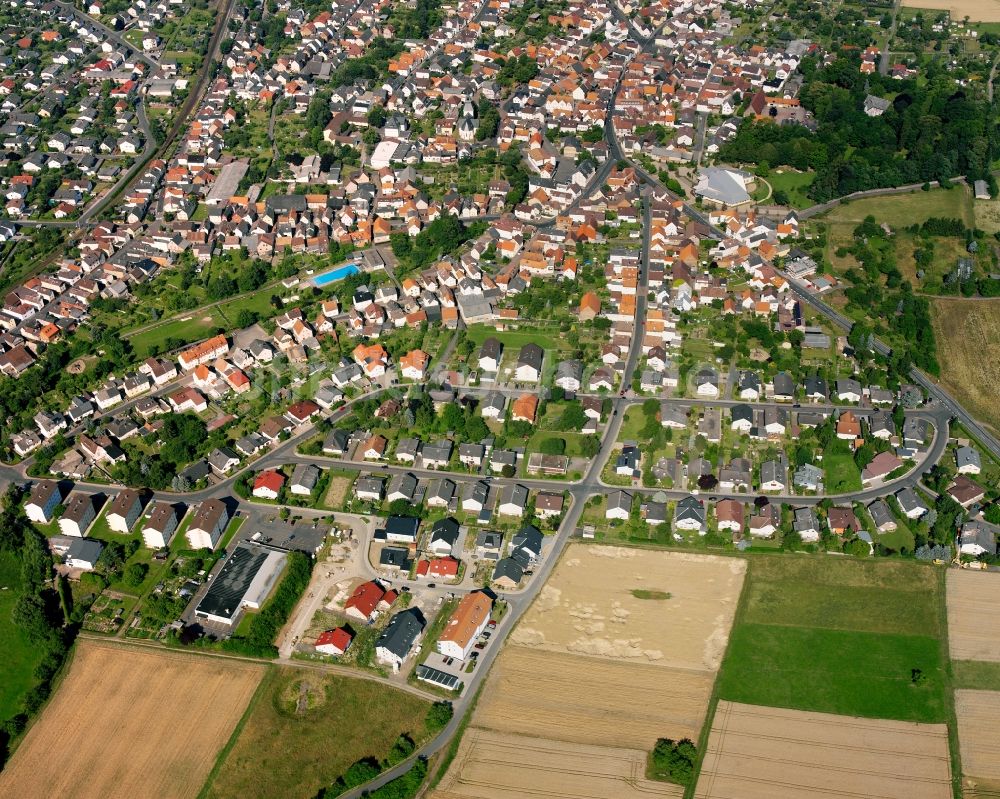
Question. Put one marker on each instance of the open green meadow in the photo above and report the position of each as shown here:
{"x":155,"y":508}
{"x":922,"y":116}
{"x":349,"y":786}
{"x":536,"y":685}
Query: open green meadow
{"x":20,"y":656}
{"x":858,"y":638}
{"x":304,"y":728}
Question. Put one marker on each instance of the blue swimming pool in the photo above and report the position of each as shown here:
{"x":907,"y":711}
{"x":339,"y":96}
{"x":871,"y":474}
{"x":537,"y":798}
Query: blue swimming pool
{"x":335,"y":274}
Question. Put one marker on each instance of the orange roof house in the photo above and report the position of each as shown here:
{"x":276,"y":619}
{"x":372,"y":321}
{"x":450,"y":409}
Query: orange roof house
{"x":414,"y":364}
{"x":848,"y":426}
{"x":524,"y":408}
{"x":590,"y":306}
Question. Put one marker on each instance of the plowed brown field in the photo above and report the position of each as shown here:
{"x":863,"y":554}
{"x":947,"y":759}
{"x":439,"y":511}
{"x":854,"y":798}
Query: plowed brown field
{"x":130,"y":724}
{"x":594,"y":673}
{"x":772,"y":753}
{"x":973,"y":623}
{"x":978,"y":733}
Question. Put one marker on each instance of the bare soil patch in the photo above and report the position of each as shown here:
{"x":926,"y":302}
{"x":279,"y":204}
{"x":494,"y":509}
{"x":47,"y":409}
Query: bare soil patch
{"x":589,"y":607}
{"x":491,"y":765}
{"x":128,"y":723}
{"x":973,"y":623}
{"x":758,"y":752}
{"x":978,"y":734}
{"x":337,"y":492}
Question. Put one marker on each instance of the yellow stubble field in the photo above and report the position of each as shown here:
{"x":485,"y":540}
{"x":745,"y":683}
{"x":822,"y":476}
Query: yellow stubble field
{"x":620,"y":648}
{"x":774,"y":753}
{"x":128,"y":723}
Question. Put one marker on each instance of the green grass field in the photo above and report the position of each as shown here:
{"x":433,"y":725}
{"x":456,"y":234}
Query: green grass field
{"x":513,"y":340}
{"x":20,"y":656}
{"x":835,"y":671}
{"x":794,"y":184}
{"x":192,"y":327}
{"x":903,"y":210}
{"x":976,"y":675}
{"x":853,"y":637}
{"x":840,"y":474}
{"x":304,"y":728}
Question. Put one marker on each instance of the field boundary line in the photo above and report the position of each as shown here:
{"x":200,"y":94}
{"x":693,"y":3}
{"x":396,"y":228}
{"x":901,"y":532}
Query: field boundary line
{"x":949,"y":693}
{"x":224,"y":753}
{"x":713,"y":700}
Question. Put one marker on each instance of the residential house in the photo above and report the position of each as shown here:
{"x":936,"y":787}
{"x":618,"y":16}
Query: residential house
{"x":466,"y":624}
{"x":513,"y":500}
{"x":690,"y":515}
{"x":208,"y":524}
{"x":125,"y":510}
{"x":443,"y":536}
{"x":79,"y":515}
{"x":398,"y":639}
{"x":334,"y":642}
{"x":529,"y":364}
{"x":619,"y":505}
{"x":806,"y":524}
{"x":46,"y":496}
{"x":159,"y":528}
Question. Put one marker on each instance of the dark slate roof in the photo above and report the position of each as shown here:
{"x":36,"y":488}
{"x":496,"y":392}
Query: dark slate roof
{"x":402,"y":631}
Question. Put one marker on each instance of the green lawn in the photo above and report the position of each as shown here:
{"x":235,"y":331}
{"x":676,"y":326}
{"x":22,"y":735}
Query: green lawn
{"x":192,"y":327}
{"x":515,"y":339}
{"x":20,"y":656}
{"x":794,"y":184}
{"x":840,"y":474}
{"x":632,"y":424}
{"x":573,"y":441}
{"x":854,"y":637}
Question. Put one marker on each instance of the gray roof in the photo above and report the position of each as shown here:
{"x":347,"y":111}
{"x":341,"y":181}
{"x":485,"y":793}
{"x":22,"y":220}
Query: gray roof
{"x":967,"y":456}
{"x":806,"y":519}
{"x":772,"y":471}
{"x":620,"y":499}
{"x":880,"y":513}
{"x":509,"y":568}
{"x":404,"y":628}
{"x":690,"y":508}
{"x":516,"y":494}
{"x":531,"y":355}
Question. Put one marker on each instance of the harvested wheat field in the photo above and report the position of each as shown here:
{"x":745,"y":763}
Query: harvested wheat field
{"x":975,"y":10}
{"x":966,"y":333}
{"x":978,"y":734}
{"x":129,"y":723}
{"x":620,"y":648}
{"x":973,"y":624}
{"x":771,"y":753}
{"x":566,"y":697}
{"x":593,"y":605}
{"x":491,"y":765}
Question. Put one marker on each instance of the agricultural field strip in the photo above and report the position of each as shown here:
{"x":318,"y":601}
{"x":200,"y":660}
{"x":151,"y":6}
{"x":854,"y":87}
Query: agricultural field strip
{"x":566,"y":697}
{"x":126,"y":723}
{"x":757,"y":752}
{"x":973,"y":624}
{"x":491,"y":765}
{"x":978,"y":733}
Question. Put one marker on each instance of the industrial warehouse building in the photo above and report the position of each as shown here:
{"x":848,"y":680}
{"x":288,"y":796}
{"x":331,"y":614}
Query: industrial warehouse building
{"x":245,"y":581}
